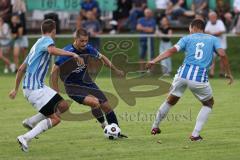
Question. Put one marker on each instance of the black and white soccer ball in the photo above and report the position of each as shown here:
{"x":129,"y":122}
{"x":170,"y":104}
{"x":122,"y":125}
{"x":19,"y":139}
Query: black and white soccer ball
{"x":112,"y":131}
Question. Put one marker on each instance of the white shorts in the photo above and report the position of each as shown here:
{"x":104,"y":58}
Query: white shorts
{"x":21,"y":42}
{"x":202,"y":91}
{"x":39,"y":97}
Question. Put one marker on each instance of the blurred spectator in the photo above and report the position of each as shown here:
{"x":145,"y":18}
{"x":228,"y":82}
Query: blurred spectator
{"x":165,"y":43}
{"x":19,"y":7}
{"x":162,"y":7}
{"x":146,"y":25}
{"x":120,"y":16}
{"x":236,"y":6}
{"x":200,"y":7}
{"x":136,"y":12}
{"x":78,"y":25}
{"x":5,"y":42}
{"x":200,"y":16}
{"x":142,"y":3}
{"x":93,"y":27}
{"x":20,"y":41}
{"x":178,"y":8}
{"x":89,"y":5}
{"x":216,"y":28}
{"x":223,"y":11}
{"x":5,"y":10}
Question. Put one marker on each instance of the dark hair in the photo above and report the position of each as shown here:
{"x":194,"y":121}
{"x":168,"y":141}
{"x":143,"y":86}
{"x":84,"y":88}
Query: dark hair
{"x":48,"y":26}
{"x":198,"y":23}
{"x":81,"y":32}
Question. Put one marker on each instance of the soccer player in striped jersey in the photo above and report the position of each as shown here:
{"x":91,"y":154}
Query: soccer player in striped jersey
{"x":48,"y":102}
{"x":199,"y":51}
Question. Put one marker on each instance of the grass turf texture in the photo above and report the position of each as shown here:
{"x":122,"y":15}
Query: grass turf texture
{"x":85,"y":140}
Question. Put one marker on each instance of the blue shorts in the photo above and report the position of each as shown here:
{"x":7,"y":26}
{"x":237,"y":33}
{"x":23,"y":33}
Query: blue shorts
{"x":144,"y":48}
{"x":79,"y":91}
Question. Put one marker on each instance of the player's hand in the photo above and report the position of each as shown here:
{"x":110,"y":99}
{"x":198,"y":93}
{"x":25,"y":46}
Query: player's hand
{"x":119,"y":73}
{"x":230,"y":78}
{"x":149,"y":64}
{"x":79,"y":59}
{"x":13,"y":94}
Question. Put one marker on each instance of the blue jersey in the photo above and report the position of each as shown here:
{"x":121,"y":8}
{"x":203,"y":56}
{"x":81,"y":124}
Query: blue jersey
{"x":88,"y":6}
{"x":70,"y":72}
{"x":199,"y":51}
{"x":147,"y":23}
{"x":37,"y":63}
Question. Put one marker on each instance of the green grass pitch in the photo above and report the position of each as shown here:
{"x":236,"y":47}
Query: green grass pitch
{"x":85,"y":139}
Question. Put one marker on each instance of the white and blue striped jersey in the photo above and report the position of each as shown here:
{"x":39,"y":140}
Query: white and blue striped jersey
{"x":37,"y":63}
{"x":199,"y":51}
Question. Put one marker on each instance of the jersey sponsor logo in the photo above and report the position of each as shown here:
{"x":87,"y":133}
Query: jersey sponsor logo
{"x":79,"y":69}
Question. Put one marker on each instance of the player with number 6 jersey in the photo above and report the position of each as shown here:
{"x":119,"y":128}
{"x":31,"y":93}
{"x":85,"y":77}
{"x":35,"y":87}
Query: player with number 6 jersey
{"x":199,"y":50}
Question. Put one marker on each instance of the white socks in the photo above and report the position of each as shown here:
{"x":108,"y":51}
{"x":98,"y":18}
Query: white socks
{"x":38,"y":129}
{"x":201,"y":120}
{"x":161,"y":114}
{"x":35,"y":119}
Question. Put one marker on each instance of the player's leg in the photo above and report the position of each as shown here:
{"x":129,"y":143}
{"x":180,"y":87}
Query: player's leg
{"x":109,"y":113}
{"x":177,"y":90}
{"x":51,"y":121}
{"x":49,"y":110}
{"x":203,"y":92}
{"x":104,"y":104}
{"x":101,"y":100}
{"x":92,"y":102}
{"x":29,"y":123}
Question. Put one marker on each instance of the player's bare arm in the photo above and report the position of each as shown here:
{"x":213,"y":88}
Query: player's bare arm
{"x":109,"y":64}
{"x":166,"y":54}
{"x":19,"y":77}
{"x":225,"y":61}
{"x":60,"y":52}
{"x":54,"y":78}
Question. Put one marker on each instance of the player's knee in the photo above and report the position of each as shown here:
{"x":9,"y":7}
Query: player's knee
{"x":172,"y":100}
{"x":63,"y":106}
{"x":95,"y":103}
{"x":209,"y":103}
{"x":106,"y":107}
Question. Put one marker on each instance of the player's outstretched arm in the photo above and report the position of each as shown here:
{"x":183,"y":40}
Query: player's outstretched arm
{"x":109,"y":64}
{"x":225,"y":61}
{"x":166,"y":54}
{"x":60,"y":52}
{"x":54,"y":78}
{"x":19,"y":77}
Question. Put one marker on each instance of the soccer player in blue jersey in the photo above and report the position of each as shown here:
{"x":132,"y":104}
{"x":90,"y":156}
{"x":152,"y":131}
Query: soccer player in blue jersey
{"x":199,"y":51}
{"x":48,"y":102}
{"x":78,"y":84}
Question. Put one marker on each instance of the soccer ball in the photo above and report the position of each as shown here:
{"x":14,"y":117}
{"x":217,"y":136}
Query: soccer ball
{"x":112,"y":131}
